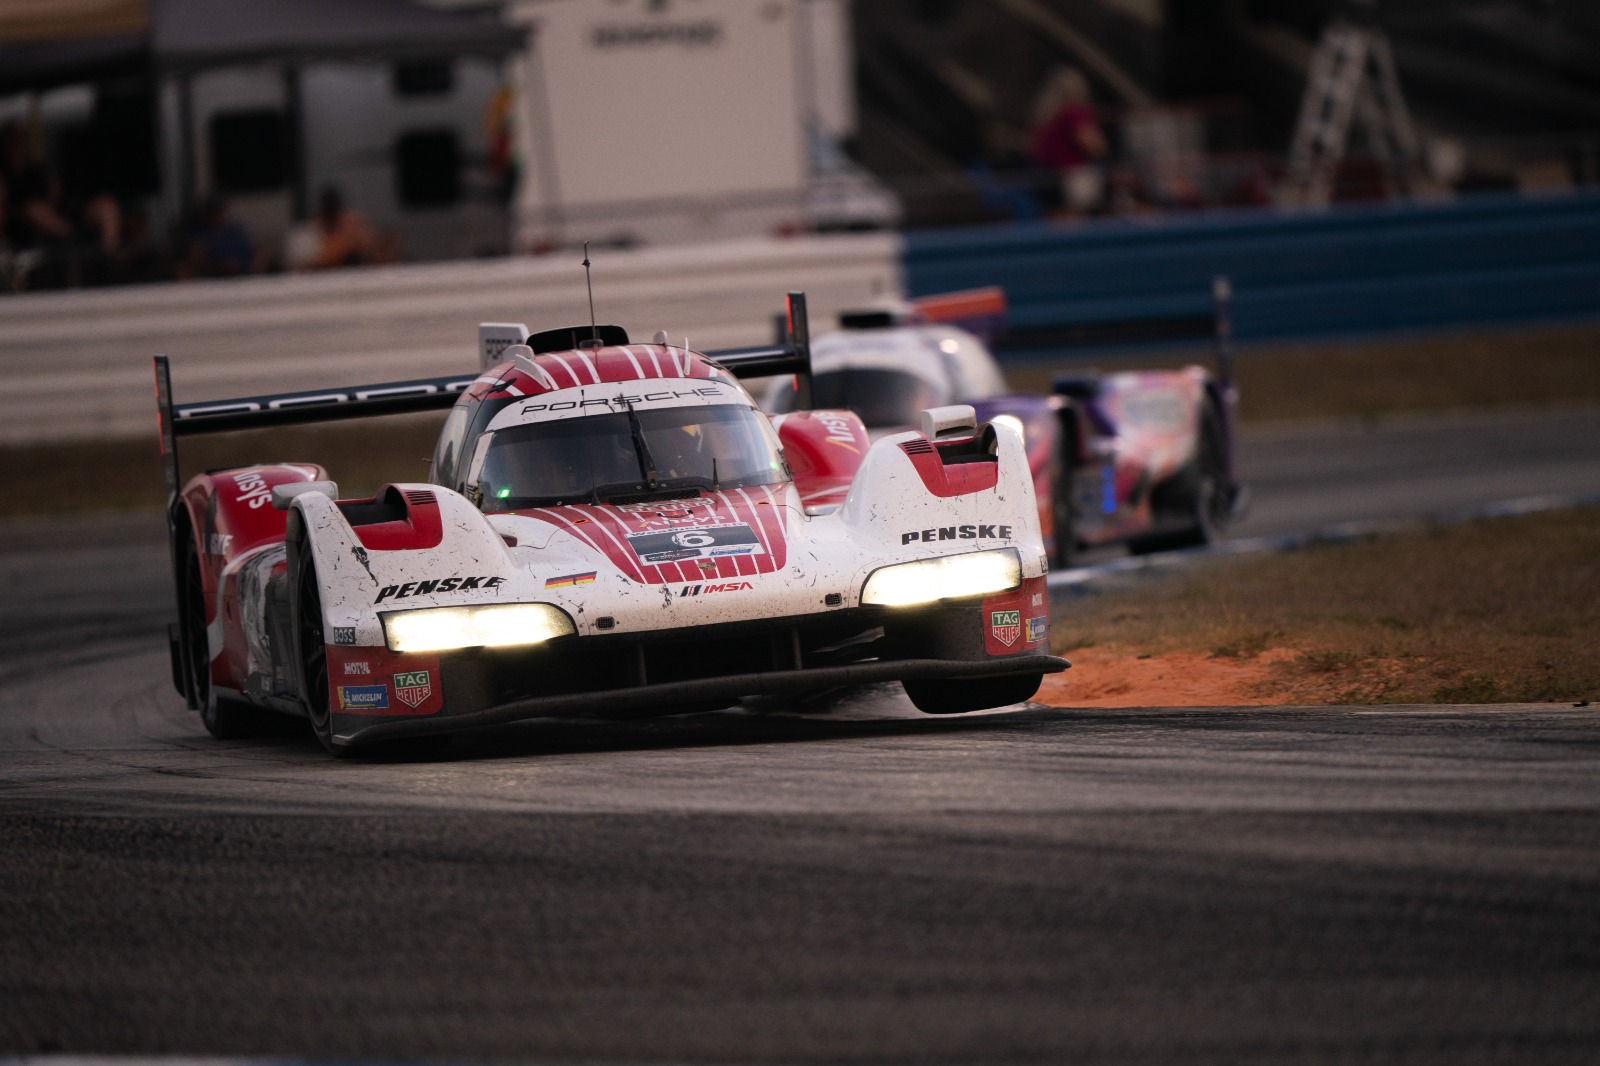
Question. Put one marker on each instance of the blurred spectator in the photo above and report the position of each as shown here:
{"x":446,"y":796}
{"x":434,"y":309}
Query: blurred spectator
{"x":32,"y":219}
{"x":1067,"y":138}
{"x":36,"y":218}
{"x":497,"y":131}
{"x":344,"y":238}
{"x":140,"y":259}
{"x":218,"y":246}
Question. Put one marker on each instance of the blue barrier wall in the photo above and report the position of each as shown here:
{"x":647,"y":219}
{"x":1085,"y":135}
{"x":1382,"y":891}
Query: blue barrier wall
{"x":1348,"y":270}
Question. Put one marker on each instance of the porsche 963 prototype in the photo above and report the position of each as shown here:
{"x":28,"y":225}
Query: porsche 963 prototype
{"x":608,"y":528}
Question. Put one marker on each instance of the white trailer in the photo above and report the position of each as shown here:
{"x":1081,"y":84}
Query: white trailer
{"x":664,"y":121}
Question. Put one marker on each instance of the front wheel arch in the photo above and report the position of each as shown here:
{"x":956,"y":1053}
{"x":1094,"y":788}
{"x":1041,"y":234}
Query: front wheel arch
{"x":308,"y":646}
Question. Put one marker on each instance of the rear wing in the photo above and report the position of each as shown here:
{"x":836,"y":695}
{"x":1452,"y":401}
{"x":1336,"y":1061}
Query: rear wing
{"x":791,"y":355}
{"x":981,"y":312}
{"x":1217,"y":326}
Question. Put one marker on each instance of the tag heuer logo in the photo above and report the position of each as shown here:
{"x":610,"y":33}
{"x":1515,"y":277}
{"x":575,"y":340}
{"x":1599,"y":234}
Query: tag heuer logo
{"x":1006,"y":626}
{"x":411,"y":687}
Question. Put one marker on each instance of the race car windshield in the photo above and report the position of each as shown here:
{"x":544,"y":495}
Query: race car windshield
{"x":883,"y":398}
{"x":598,"y":457}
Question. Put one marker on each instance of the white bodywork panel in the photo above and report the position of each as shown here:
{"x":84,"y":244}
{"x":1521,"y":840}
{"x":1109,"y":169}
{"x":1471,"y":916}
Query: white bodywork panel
{"x":824,"y":554}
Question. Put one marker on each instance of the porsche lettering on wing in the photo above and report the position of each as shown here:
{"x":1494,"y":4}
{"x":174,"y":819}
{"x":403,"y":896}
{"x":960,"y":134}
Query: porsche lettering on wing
{"x":928,"y":536}
{"x":620,"y":401}
{"x":449,"y":584}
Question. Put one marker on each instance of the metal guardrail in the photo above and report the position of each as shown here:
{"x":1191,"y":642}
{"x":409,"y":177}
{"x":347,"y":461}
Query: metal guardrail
{"x":1346,"y":270}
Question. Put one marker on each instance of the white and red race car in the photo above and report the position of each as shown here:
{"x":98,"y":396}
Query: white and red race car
{"x":1142,"y":458}
{"x":609,"y":528}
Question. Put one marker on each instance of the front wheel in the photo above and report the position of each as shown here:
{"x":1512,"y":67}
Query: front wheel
{"x":310,"y":651}
{"x":947,"y":696}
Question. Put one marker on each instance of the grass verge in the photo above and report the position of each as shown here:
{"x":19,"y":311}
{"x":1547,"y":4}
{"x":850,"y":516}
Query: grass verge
{"x":1369,"y":378}
{"x":1501,"y":610}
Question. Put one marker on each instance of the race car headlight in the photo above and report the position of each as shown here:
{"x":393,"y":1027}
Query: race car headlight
{"x":945,"y":578}
{"x":493,"y":625}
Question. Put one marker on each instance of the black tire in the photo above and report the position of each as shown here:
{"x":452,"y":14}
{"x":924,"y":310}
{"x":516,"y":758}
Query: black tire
{"x":946,"y":696}
{"x":310,"y":650}
{"x":1195,"y":501}
{"x":224,"y":717}
{"x":1064,"y":553}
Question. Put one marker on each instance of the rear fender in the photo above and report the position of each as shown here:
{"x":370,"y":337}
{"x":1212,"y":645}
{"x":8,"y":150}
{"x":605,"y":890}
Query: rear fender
{"x":229,"y":517}
{"x":824,"y":450}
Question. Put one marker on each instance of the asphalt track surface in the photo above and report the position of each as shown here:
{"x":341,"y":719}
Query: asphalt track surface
{"x":867,"y":884}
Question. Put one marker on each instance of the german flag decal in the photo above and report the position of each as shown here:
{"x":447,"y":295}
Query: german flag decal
{"x":570,"y":581}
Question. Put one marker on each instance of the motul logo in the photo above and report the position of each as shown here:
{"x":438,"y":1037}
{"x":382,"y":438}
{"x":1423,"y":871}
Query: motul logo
{"x":727,"y":586}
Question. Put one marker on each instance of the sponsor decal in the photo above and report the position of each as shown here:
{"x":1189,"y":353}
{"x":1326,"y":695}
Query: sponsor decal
{"x":363,"y":697}
{"x":700,"y":34}
{"x":425,"y":588}
{"x":253,"y":489}
{"x":1006,"y":626}
{"x":344,"y":634}
{"x":928,"y":536}
{"x":411,"y":687}
{"x":570,"y":580}
{"x":219,"y":543}
{"x":672,"y":556}
{"x":1037,"y":628}
{"x":840,"y":431}
{"x":357,"y":668}
{"x":726,"y":586}
{"x":702,"y":542}
{"x":1038,"y":600}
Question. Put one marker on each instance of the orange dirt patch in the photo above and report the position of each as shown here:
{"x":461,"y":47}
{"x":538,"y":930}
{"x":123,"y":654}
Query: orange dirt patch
{"x":1113,"y":677}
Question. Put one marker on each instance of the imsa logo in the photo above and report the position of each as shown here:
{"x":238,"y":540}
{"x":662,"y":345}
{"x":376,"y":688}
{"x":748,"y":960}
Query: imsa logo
{"x":411,"y":687}
{"x":1006,"y":626}
{"x":727,"y":586}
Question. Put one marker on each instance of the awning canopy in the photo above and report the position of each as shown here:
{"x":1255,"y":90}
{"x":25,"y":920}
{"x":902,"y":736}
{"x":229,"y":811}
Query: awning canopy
{"x":188,"y":35}
{"x":49,"y":43}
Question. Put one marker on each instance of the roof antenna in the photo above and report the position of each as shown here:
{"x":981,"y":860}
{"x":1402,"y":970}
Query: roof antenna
{"x":588,"y":279}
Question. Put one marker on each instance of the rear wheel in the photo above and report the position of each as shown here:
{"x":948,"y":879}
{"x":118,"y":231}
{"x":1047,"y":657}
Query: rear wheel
{"x":224,"y":718}
{"x":948,"y":696}
{"x":1065,"y":550}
